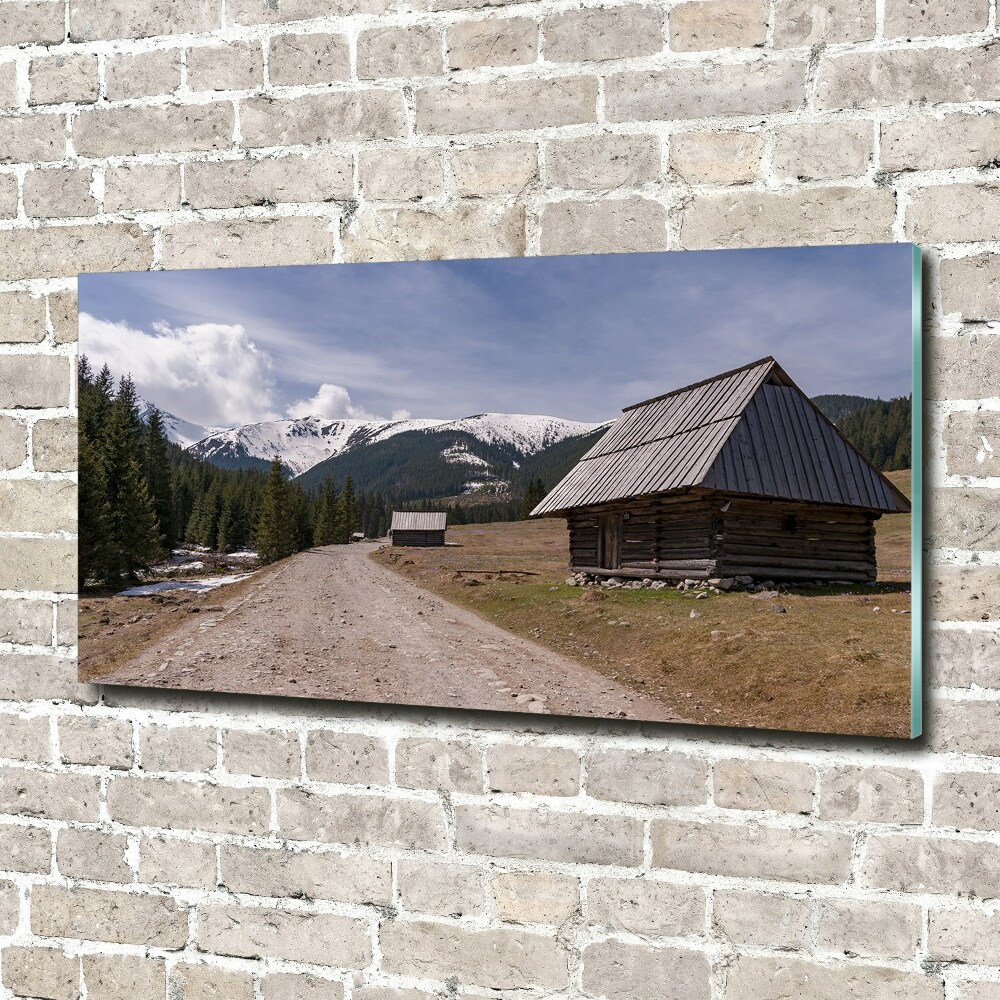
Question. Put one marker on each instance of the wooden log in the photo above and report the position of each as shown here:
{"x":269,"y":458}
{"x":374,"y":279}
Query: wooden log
{"x":817,"y":551}
{"x":700,"y":570}
{"x":775,"y":571}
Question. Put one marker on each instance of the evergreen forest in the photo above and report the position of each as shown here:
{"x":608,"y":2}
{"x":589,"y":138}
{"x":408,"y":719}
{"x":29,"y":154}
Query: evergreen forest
{"x":141,"y":495}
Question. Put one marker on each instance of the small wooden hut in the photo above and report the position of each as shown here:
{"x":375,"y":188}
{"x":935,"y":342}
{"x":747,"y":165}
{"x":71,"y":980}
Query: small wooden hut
{"x":738,"y":475}
{"x":417,"y":527}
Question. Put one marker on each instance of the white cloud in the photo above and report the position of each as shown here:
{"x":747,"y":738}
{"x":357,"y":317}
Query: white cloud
{"x":401,"y":414}
{"x":210,"y":373}
{"x":331,"y":401}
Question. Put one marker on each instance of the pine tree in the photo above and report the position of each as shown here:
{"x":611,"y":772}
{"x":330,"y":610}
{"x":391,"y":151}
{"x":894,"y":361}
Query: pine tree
{"x":347,"y":513}
{"x":534,"y":493}
{"x":133,"y":532}
{"x":325,"y":532}
{"x":275,"y":530}
{"x":157,"y":456}
{"x":95,"y":560}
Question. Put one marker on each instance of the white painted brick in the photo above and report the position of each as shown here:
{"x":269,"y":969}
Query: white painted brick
{"x":120,"y":977}
{"x":509,"y":41}
{"x":604,"y":161}
{"x":934,"y":142}
{"x":622,"y":970}
{"x":813,"y":215}
{"x":441,"y":889}
{"x":822,"y":152}
{"x":766,"y":978}
{"x":485,"y":170}
{"x":92,"y":19}
{"x":716,"y":157}
{"x":362,"y":114}
{"x":594,"y":34}
{"x":225,"y":67}
{"x":59,"y":194}
{"x":914,"y":76}
{"x":419,"y":234}
{"x":626,"y":225}
{"x":920,"y":18}
{"x":808,"y":22}
{"x":404,"y":51}
{"x":308,"y":59}
{"x":506,"y":104}
{"x":63,"y":79}
{"x":698,"y":25}
{"x":401,"y":174}
{"x":143,"y":74}
{"x":644,"y":906}
{"x":708,"y":91}
{"x":142,"y":187}
{"x":762,"y":919}
{"x":870,"y":929}
{"x":41,"y":22}
{"x":320,"y":177}
{"x":535,"y":897}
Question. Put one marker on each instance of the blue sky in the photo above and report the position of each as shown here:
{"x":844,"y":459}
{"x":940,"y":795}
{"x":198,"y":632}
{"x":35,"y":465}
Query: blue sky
{"x":575,"y":337}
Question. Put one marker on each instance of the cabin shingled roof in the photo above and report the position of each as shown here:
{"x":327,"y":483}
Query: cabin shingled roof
{"x":750,"y":431}
{"x":418,"y":520}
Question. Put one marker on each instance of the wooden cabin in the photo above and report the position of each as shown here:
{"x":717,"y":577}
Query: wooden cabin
{"x":417,"y":527}
{"x":738,"y":475}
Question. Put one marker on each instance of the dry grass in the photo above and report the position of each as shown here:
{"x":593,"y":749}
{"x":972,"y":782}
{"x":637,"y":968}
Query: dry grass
{"x":830,"y":663}
{"x":115,"y":630}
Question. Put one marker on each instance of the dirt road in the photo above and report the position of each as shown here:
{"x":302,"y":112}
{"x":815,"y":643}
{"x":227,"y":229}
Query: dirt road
{"x":330,"y":623}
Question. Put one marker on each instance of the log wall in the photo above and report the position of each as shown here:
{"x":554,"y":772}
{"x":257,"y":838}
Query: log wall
{"x":690,"y":535}
{"x":418,"y":538}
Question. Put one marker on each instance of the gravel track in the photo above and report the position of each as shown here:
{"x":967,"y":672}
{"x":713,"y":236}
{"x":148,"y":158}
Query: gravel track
{"x":331,"y":623}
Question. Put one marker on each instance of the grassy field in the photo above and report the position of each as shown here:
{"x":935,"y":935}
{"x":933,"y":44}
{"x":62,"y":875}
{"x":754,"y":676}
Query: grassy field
{"x":836,"y":660}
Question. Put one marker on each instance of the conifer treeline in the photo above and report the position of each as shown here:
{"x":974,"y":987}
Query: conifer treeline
{"x":881,"y":432}
{"x":141,"y":495}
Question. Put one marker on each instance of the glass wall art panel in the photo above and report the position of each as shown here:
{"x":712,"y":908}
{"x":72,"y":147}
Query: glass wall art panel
{"x":670,"y":487}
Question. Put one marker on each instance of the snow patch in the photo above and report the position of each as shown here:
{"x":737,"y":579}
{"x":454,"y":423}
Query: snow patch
{"x":457,"y":455}
{"x":198,"y":586}
{"x":527,"y":433}
{"x":180,"y":431}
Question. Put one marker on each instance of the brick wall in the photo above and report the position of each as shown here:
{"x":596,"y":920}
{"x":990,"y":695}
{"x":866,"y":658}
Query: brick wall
{"x":156,"y":845}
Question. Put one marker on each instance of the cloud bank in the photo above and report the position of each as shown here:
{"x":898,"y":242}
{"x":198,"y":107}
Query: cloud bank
{"x":210,"y":373}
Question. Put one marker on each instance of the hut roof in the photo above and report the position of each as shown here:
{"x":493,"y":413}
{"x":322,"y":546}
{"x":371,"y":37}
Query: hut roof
{"x":751,"y":430}
{"x":418,"y":520}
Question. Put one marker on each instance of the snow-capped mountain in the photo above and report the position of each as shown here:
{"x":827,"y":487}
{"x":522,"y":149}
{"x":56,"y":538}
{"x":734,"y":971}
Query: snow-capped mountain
{"x":304,"y":443}
{"x":525,"y":433}
{"x":301,"y":443}
{"x":180,"y":431}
